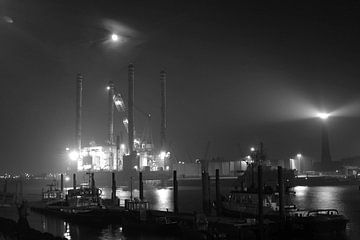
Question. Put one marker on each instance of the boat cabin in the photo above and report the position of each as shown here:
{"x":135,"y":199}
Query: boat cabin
{"x":84,"y":196}
{"x":52,"y":193}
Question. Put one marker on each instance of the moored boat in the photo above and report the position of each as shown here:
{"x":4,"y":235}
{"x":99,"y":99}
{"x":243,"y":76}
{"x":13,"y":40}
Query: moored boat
{"x":137,"y":216}
{"x":319,"y":221}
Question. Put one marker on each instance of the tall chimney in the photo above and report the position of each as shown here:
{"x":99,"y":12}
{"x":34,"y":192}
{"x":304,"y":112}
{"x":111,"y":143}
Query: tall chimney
{"x":79,"y":80}
{"x":131,"y":107}
{"x":163,"y":110}
{"x":111,"y":113}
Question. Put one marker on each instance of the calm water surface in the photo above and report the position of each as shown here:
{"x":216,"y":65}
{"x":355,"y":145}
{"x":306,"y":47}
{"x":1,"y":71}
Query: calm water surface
{"x":344,"y":198}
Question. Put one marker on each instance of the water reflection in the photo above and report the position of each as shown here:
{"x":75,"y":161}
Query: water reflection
{"x":67,"y":234}
{"x":301,"y":191}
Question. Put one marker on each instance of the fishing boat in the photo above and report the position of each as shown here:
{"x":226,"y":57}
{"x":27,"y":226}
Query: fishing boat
{"x":82,"y":204}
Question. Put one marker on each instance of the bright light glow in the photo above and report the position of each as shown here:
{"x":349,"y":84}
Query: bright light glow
{"x":298,"y":155}
{"x":122,"y":146}
{"x":108,"y":88}
{"x":114,"y":37}
{"x":252,"y":149}
{"x":8,"y":19}
{"x":323,"y":115}
{"x":67,"y":149}
{"x":301,"y":191}
{"x":67,"y":178}
{"x":73,"y":155}
{"x":162,"y":155}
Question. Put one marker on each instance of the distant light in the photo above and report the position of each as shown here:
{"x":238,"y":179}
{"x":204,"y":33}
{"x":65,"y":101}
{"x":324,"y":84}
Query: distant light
{"x":74,"y":155}
{"x":8,"y":19}
{"x":299,"y":155}
{"x":114,"y":37}
{"x":122,"y":146}
{"x":323,"y":115}
{"x":67,"y":178}
{"x":162,"y":155}
{"x":108,"y":88}
{"x":67,"y":149}
{"x":252,"y":149}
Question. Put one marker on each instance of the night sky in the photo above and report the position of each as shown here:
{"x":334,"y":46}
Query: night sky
{"x":236,"y":75}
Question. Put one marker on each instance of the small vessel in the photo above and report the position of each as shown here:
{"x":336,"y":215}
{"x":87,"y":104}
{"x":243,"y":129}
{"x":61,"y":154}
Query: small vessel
{"x":138,"y":216}
{"x":82,"y":204}
{"x":244,"y":203}
{"x":319,"y":221}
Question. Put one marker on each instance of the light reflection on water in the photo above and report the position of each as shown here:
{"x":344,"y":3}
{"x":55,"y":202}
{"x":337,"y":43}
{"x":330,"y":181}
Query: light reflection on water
{"x":345,"y":199}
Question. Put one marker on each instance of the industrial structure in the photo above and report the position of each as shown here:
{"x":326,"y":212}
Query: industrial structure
{"x":138,"y":153}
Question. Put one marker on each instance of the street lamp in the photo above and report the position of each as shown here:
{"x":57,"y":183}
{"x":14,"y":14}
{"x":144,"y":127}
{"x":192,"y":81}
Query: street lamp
{"x":74,"y":155}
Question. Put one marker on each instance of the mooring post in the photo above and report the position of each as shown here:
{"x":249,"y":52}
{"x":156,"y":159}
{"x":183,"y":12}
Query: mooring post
{"x":5,"y":186}
{"x":260,"y":203}
{"x":218,"y":196}
{"x":113,"y":188}
{"x":61,"y":182}
{"x":141,"y":188}
{"x":131,"y":188}
{"x":175,"y":193}
{"x":205,"y":193}
{"x":93,"y":183}
{"x":74,"y":181}
{"x":281,"y":198}
{"x":252,"y":176}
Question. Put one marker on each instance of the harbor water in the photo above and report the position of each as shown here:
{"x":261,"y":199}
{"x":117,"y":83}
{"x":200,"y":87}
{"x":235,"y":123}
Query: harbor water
{"x":346,"y":199}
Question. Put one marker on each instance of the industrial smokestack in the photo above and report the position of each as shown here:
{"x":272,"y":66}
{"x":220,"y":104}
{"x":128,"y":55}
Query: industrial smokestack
{"x":131,"y":107}
{"x":163,"y":110}
{"x":79,"y":80}
{"x":111,"y":113}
